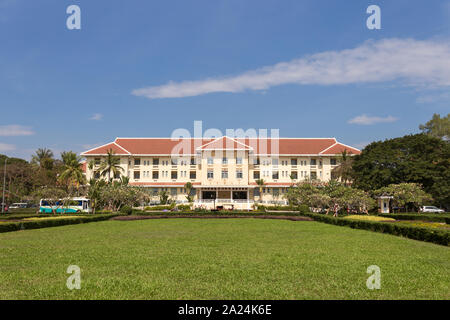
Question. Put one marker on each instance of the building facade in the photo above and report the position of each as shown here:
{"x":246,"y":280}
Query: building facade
{"x":223,"y":171}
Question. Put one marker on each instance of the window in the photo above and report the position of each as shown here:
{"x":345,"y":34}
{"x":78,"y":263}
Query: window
{"x":333,"y":162}
{"x":97,"y":161}
{"x":256,"y":192}
{"x":174,"y":175}
{"x":192,"y":175}
{"x":210,"y":174}
{"x":173,"y":191}
{"x":276,"y":191}
{"x":312,"y":162}
{"x":96,"y":175}
{"x":137,"y":162}
{"x":275,"y":175}
{"x":192,"y":161}
{"x":313,"y":175}
{"x":224,"y":160}
{"x":137,"y":175}
{"x":117,"y":175}
{"x":293,"y":162}
{"x":224,"y":174}
{"x":255,"y":174}
{"x":275,"y":161}
{"x":239,"y":174}
{"x":174,"y":161}
{"x":256,"y":161}
{"x":210,"y":160}
{"x":155,"y":175}
{"x":294,"y":175}
{"x":239,"y":160}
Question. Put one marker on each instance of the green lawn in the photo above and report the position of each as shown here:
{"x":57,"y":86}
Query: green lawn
{"x":218,"y":259}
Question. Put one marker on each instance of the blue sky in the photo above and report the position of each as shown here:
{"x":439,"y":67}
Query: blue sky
{"x":144,"y":68}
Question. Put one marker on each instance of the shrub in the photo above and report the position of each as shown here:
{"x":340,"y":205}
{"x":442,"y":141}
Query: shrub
{"x":184,"y":207}
{"x":303,"y":208}
{"x":55,"y":222}
{"x":126,"y":209}
{"x":416,"y":233}
{"x":419,"y":216}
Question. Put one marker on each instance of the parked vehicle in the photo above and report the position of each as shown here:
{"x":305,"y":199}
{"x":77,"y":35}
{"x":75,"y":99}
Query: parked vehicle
{"x":72,"y":205}
{"x":432,"y":209}
{"x":19,"y":205}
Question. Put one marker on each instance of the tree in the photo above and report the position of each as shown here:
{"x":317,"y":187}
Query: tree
{"x":189,"y":187}
{"x":437,"y":127}
{"x":418,"y":158}
{"x":163,"y":197}
{"x":57,"y":198}
{"x":115,"y":196}
{"x":110,"y":164}
{"x":407,"y":195}
{"x":94,"y":192}
{"x":72,"y":174}
{"x":344,"y":170}
{"x":302,"y":193}
{"x":260,"y":183}
{"x":44,"y":158}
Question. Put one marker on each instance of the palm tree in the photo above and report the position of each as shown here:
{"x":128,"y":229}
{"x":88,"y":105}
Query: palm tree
{"x":110,"y":164}
{"x":163,"y":197}
{"x":124,"y":180}
{"x":188,"y":186}
{"x":344,"y":169}
{"x":72,"y":173}
{"x":260,"y":183}
{"x":43,"y":157}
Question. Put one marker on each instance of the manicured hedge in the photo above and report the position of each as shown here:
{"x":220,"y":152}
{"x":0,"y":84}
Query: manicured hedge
{"x":214,"y":213}
{"x":46,"y":223}
{"x":416,"y":233}
{"x":262,"y":207}
{"x":421,"y":216}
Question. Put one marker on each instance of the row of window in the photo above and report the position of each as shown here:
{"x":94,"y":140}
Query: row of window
{"x":164,"y":174}
{"x":210,"y":160}
{"x":175,"y":191}
{"x":224,"y":175}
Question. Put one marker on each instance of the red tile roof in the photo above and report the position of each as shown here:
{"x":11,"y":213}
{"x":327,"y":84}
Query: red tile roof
{"x":225,"y":143}
{"x":189,"y":146}
{"x":105,"y":148}
{"x":338,"y":148}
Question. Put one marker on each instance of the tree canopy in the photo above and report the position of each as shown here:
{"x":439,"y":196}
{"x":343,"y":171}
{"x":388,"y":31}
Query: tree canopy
{"x":437,"y":127}
{"x":418,"y":158}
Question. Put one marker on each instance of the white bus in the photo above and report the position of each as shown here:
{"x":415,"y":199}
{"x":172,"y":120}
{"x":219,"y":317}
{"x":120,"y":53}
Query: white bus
{"x":72,"y":205}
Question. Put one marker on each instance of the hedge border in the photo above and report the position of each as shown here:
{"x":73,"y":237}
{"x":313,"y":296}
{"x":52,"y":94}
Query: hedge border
{"x":217,"y":213}
{"x":411,"y":232}
{"x":47,"y":223}
{"x":419,"y":217}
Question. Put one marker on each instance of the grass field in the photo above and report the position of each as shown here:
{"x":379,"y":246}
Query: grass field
{"x":218,"y":259}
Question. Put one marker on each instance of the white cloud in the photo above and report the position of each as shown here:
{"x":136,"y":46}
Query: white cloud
{"x":368,"y":120}
{"x":15,"y":130}
{"x":7,"y":147}
{"x":434,"y":98}
{"x":413,"y":62}
{"x":96,"y":117}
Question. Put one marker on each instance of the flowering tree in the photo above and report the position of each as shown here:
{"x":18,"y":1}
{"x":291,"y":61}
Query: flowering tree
{"x":408,"y":195}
